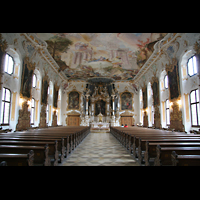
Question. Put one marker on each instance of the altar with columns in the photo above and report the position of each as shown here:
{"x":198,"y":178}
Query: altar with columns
{"x":99,"y":109}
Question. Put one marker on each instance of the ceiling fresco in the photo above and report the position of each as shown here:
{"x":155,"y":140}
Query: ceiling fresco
{"x":87,"y":55}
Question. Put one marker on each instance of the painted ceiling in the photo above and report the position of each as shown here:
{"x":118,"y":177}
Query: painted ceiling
{"x":88,"y":55}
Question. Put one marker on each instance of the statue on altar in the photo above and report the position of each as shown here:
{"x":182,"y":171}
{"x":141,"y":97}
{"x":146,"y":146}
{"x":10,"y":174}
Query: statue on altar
{"x":100,"y":117}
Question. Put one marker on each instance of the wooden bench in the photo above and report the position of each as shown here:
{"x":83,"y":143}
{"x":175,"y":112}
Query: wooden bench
{"x":61,"y":147}
{"x":185,"y":160}
{"x":141,"y":147}
{"x":163,"y":156}
{"x":53,"y":147}
{"x":41,"y":156}
{"x":66,"y":140}
{"x":150,"y":152}
{"x":137,"y":141}
{"x":18,"y":159}
{"x":70,"y":143}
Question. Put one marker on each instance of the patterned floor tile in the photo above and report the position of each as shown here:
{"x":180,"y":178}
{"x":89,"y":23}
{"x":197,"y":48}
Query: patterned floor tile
{"x":99,"y":149}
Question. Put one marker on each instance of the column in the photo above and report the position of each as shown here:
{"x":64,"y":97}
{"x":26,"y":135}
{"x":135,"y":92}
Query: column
{"x":92,"y":106}
{"x":87,"y":99}
{"x":86,"y":116}
{"x":113,"y":104}
{"x":113,"y":110}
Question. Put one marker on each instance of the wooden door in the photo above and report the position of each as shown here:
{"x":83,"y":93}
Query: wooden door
{"x":73,"y":120}
{"x":126,"y":120}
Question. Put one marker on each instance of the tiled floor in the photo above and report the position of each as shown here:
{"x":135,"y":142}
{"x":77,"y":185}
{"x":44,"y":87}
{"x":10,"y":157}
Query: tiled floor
{"x":99,"y":149}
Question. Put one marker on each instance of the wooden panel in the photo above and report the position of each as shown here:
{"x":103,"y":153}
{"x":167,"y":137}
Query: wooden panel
{"x":73,"y":121}
{"x":126,"y":120}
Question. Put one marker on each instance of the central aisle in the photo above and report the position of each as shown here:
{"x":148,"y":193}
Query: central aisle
{"x":99,"y":149}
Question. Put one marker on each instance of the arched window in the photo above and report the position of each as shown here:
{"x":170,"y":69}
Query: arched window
{"x":192,"y":66}
{"x":9,"y":64}
{"x":194,"y":107}
{"x":34,"y":81}
{"x":166,"y":82}
{"x":5,"y":109}
{"x":32,"y":110}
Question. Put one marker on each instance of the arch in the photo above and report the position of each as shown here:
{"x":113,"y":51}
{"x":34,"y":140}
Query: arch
{"x":17,"y":61}
{"x":13,"y":84}
{"x":164,"y":95}
{"x":183,"y":63}
{"x":187,"y":84}
{"x":38,"y":76}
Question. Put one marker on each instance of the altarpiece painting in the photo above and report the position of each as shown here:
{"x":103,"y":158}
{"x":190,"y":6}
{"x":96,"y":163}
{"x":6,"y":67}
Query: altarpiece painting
{"x":173,"y":77}
{"x":73,"y":102}
{"x":126,"y":101}
{"x":27,"y":75}
{"x":55,"y":96}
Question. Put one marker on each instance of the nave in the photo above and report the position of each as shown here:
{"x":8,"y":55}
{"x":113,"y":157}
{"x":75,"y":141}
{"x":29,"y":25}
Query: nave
{"x":100,"y":149}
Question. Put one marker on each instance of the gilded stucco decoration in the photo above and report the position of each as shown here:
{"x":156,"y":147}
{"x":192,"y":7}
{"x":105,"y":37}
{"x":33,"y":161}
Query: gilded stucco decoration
{"x":3,"y":44}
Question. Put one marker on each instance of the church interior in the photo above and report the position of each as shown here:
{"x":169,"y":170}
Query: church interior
{"x":63,"y":92}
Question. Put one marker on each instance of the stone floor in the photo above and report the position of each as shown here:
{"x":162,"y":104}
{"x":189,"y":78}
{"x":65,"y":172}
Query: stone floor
{"x":99,"y":149}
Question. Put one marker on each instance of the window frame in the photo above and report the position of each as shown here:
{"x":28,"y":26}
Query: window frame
{"x":193,"y":67}
{"x":3,"y":107}
{"x":13,"y":64}
{"x":152,"y":114}
{"x":197,"y":112}
{"x":167,"y":82}
{"x":47,"y":114}
{"x":167,"y":108}
{"x":35,"y":81}
{"x":33,"y":107}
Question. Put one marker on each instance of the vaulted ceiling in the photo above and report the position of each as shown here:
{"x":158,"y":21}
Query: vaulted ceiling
{"x":87,"y":55}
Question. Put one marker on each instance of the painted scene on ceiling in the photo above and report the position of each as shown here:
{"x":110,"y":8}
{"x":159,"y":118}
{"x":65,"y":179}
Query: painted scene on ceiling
{"x":87,"y":55}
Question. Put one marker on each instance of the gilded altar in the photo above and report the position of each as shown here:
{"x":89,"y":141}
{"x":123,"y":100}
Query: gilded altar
{"x":100,"y":126}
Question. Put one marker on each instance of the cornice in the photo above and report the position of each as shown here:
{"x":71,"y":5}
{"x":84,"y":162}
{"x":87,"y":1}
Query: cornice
{"x":158,"y":47}
{"x":41,"y":47}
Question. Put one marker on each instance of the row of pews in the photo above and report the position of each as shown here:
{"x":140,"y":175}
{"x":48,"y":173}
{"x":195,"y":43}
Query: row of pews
{"x":155,"y":147}
{"x":40,"y":147}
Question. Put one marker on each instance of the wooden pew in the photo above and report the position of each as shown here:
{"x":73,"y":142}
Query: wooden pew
{"x":71,"y":138}
{"x":150,"y":152}
{"x":61,"y":147}
{"x":134,"y":140}
{"x":163,"y":156}
{"x":141,"y":147}
{"x":185,"y":160}
{"x":18,"y":159}
{"x":70,"y":143}
{"x":41,"y":156}
{"x":53,"y":147}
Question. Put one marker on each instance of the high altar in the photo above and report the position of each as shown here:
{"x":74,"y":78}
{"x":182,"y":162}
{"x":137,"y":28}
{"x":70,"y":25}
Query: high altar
{"x":99,"y":104}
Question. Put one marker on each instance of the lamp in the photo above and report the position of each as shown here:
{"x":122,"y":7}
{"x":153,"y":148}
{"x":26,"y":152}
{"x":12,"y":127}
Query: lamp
{"x":21,"y":100}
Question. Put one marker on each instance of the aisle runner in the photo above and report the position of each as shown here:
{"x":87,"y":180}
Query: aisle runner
{"x":100,"y":149}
